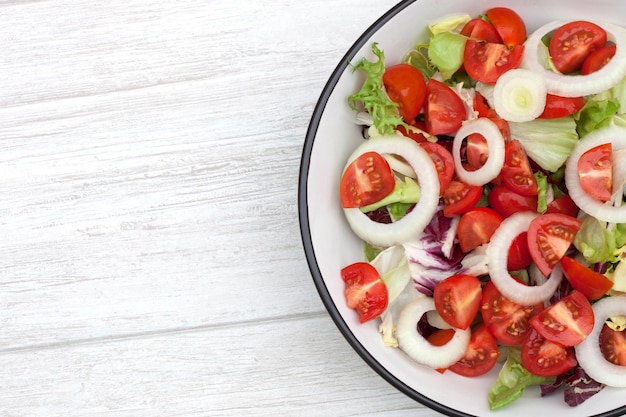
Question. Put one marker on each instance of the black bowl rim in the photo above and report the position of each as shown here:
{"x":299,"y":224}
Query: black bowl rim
{"x":305,"y":230}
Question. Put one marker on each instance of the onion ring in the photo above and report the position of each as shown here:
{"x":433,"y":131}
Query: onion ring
{"x":495,"y":142}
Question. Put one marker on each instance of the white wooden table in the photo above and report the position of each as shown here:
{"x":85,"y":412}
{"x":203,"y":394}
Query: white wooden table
{"x":151,"y":256}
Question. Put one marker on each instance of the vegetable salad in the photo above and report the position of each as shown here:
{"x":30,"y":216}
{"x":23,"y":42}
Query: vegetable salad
{"x":489,"y":193}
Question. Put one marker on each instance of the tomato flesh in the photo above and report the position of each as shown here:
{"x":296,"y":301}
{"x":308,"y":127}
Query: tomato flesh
{"x":595,"y":172}
{"x":557,"y":106}
{"x":598,"y":59}
{"x":406,"y":86}
{"x":444,"y":110}
{"x":572,"y":43}
{"x":509,"y":25}
{"x":444,"y":163}
{"x":481,"y":355}
{"x":507,"y":202}
{"x":564,"y":205}
{"x":519,"y":254}
{"x":460,"y":197}
{"x":592,"y":284}
{"x":366,"y":180}
{"x":549,"y":237}
{"x":516,"y":172}
{"x":566,"y":322}
{"x":506,"y":320}
{"x":481,"y":30}
{"x":542,"y":357}
{"x":486,"y":61}
{"x":365,"y":291}
{"x":457,"y":300}
{"x":476,"y":227}
{"x":613,"y":345}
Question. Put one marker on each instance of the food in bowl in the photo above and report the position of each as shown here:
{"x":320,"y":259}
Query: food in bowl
{"x":491,"y":167}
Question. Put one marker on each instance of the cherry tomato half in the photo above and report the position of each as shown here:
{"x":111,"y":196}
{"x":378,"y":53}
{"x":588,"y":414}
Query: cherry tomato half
{"x":486,"y":62}
{"x":460,"y":197}
{"x":365,"y":291}
{"x":542,"y":357}
{"x":507,"y":202}
{"x":508,"y":24}
{"x":519,"y":254}
{"x":516,"y":172}
{"x":444,"y":163}
{"x":598,"y":59}
{"x":457,"y":300}
{"x":481,"y":355}
{"x":366,"y":180}
{"x":476,"y":227}
{"x":549,"y":237}
{"x":481,"y":30}
{"x":593,"y":284}
{"x":613,"y":345}
{"x":444,"y":109}
{"x":572,"y":43}
{"x":406,"y":86}
{"x":557,"y":106}
{"x":595,"y":171}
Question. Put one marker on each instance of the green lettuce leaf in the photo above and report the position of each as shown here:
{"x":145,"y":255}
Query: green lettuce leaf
{"x":597,"y":243}
{"x":542,"y":195}
{"x":372,"y":96}
{"x":452,"y":23}
{"x":595,"y":114}
{"x":512,"y":381}
{"x":407,"y":192}
{"x":418,"y":57}
{"x":446,"y":52}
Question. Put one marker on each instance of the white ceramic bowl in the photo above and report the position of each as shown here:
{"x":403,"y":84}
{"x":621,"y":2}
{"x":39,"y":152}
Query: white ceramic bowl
{"x":330,"y":245}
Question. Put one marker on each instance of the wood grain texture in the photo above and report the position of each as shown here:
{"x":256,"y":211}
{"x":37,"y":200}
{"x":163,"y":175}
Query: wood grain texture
{"x":152,"y":263}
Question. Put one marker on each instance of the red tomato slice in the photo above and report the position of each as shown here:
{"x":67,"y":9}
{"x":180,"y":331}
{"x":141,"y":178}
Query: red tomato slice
{"x":486,"y":62}
{"x":506,"y":320}
{"x":572,"y":43}
{"x":481,"y":30}
{"x":549,"y":237}
{"x":367,"y":179}
{"x":406,"y":86}
{"x":444,"y":109}
{"x":519,"y":254}
{"x":481,"y":105}
{"x":613,"y":345}
{"x":440,"y":338}
{"x":481,"y":356}
{"x":507,"y":202}
{"x":508,"y":24}
{"x":457,"y":300}
{"x":416,"y":136}
{"x":563,"y":204}
{"x":476,"y":152}
{"x":459,"y":197}
{"x":365,"y":291}
{"x":557,"y":106}
{"x":593,"y":284}
{"x":598,"y":59}
{"x":476,"y":227}
{"x":595,"y":171}
{"x":567,"y":322}
{"x":516,"y":172}
{"x":444,"y":163}
{"x":542,"y":357}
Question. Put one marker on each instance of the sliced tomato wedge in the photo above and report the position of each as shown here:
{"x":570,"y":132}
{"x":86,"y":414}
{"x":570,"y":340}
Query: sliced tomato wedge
{"x":592,"y":284}
{"x":509,"y":25}
{"x":481,"y":30}
{"x":516,"y":172}
{"x":557,"y":106}
{"x":406,"y":86}
{"x":481,"y":356}
{"x":549,"y":237}
{"x":440,"y":338}
{"x":366,"y":180}
{"x":595,"y":171}
{"x":444,"y":163}
{"x":567,"y":322}
{"x":507,"y":202}
{"x":563,"y":204}
{"x":506,"y":320}
{"x":444,"y":109}
{"x":572,"y":43}
{"x":519,"y":254}
{"x":460,"y":197}
{"x":598,"y":59}
{"x":542,"y":357}
{"x":476,"y":227}
{"x":613,"y":345}
{"x":486,"y":62}
{"x":365,"y":291}
{"x":416,"y":136}
{"x":481,"y":105}
{"x":457,"y":300}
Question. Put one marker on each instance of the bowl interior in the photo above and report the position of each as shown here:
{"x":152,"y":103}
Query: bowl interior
{"x":330,"y":244}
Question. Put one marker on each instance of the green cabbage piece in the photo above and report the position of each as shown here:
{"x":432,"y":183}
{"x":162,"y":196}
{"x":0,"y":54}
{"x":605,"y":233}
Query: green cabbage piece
{"x":597,"y":243}
{"x":450,"y":24}
{"x":595,"y":114}
{"x":407,"y":192}
{"x":446,"y":52}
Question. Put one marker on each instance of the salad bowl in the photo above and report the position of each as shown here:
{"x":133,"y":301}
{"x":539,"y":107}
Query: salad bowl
{"x":330,"y":244}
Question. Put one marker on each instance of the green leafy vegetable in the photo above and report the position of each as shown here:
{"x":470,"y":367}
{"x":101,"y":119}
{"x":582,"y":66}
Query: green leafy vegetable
{"x":418,"y":57}
{"x":446,"y":52}
{"x":450,"y":24}
{"x":372,"y":96}
{"x":548,"y":142}
{"x":512,"y":381}
{"x":542,"y":195}
{"x":597,"y":243}
{"x":398,"y":210}
{"x":594,"y":115}
{"x":370,"y":251}
{"x":407,"y":191}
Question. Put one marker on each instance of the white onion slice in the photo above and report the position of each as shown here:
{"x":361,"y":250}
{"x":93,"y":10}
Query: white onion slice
{"x":421,"y":350}
{"x":495,"y":143}
{"x":497,"y":254}
{"x":616,"y":135}
{"x":412,"y":223}
{"x":588,"y":353}
{"x":577,"y":85}
{"x":520,"y":95}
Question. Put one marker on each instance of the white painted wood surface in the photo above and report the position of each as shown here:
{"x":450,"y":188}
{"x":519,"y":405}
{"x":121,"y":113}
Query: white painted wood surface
{"x":151,"y":258}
